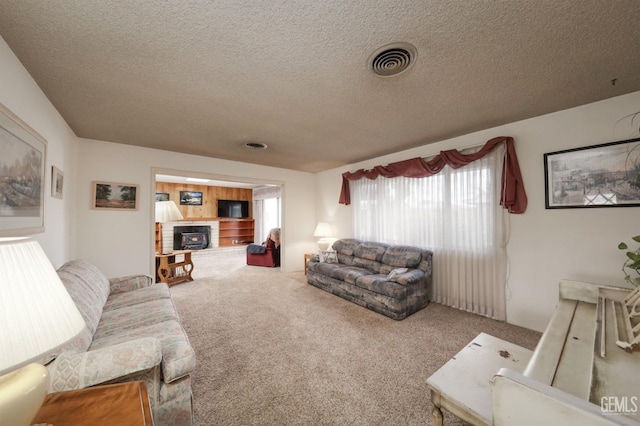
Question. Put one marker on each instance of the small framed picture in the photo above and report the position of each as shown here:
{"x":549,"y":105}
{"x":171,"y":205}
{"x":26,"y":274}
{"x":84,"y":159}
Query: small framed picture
{"x":190,"y":198}
{"x":605,"y":175}
{"x":114,"y":196}
{"x":57,"y":182}
{"x":162,"y":196}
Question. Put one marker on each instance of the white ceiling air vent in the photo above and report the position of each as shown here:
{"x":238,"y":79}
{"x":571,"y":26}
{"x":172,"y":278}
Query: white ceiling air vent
{"x":393,"y":59}
{"x":255,"y":145}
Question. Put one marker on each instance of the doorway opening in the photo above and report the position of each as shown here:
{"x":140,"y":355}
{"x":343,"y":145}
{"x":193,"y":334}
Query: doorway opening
{"x":265,"y":212}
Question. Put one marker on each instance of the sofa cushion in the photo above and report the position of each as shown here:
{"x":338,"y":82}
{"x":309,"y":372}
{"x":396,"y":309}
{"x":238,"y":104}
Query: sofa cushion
{"x":379,"y":284}
{"x":341,"y":272}
{"x":402,"y":256}
{"x":88,"y":288}
{"x":346,"y":246}
{"x":346,"y":259}
{"x":370,"y":251}
{"x":325,"y":268}
{"x":371,"y":265}
{"x":349,"y":274}
{"x":134,"y":297}
{"x":119,"y":320}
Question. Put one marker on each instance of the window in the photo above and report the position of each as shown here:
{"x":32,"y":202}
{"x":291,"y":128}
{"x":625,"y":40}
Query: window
{"x":455,"y":213}
{"x":271,"y":213}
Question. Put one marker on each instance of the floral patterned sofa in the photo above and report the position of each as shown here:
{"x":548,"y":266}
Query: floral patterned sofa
{"x":392,"y":280}
{"x":133,"y":333}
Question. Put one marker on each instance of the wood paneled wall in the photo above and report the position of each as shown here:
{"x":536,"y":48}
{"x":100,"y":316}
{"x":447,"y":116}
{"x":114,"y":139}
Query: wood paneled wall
{"x":210,"y":197}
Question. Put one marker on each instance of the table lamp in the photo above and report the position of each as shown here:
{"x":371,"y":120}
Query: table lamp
{"x":37,"y":316}
{"x":166,"y":211}
{"x":323,"y":230}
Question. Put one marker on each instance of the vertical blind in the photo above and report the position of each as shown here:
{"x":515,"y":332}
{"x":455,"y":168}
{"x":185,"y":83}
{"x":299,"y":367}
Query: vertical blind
{"x":455,"y":213}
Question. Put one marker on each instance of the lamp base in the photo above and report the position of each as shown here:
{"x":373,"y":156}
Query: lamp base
{"x":324,"y":243}
{"x":22,"y":393}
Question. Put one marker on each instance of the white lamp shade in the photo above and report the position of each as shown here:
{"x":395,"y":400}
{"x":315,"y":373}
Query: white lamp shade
{"x":167,"y":211}
{"x":37,"y":315}
{"x":323,"y":230}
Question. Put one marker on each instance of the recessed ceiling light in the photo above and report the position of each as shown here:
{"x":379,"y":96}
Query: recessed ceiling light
{"x":197,"y":180}
{"x":255,"y":145}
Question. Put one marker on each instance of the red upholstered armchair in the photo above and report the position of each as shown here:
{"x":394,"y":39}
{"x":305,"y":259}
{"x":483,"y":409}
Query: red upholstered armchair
{"x":267,"y":253}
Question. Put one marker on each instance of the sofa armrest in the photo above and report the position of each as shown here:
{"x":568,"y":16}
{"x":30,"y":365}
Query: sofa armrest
{"x":409,"y":278}
{"x":130,"y":282}
{"x":78,"y":370}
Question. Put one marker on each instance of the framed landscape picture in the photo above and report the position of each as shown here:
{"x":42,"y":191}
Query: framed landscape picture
{"x":114,"y":196}
{"x":605,"y":175}
{"x":191,"y":198}
{"x":22,"y":176}
{"x":57,"y":182}
{"x":162,"y":196}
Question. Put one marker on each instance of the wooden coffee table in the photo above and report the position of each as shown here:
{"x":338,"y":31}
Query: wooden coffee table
{"x":462,"y":386}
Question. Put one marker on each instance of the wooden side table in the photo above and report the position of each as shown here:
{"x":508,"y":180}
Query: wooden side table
{"x":122,"y":404}
{"x":172,"y":272}
{"x":307,"y":256}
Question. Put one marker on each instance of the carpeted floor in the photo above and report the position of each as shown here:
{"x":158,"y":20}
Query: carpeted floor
{"x":273,"y":350}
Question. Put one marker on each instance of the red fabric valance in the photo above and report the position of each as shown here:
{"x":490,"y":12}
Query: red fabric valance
{"x":512,"y":196}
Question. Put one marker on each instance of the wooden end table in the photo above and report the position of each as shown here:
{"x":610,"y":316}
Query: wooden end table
{"x":122,"y":404}
{"x":172,"y":272}
{"x":462,"y":386}
{"x":307,"y":256}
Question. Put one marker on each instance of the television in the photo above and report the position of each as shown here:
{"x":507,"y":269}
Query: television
{"x":233,"y":208}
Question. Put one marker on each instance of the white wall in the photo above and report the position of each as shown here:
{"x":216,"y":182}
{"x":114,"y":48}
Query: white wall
{"x":122,"y":242}
{"x":545,"y":245}
{"x":20,"y":93}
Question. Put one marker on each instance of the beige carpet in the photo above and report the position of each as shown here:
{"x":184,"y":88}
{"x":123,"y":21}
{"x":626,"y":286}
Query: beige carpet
{"x":273,"y":350}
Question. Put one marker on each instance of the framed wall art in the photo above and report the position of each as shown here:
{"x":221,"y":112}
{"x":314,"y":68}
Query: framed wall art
{"x":22,"y":176}
{"x":57,"y":182}
{"x":162,"y":196}
{"x":191,"y":198}
{"x":605,"y":175}
{"x":114,"y":196}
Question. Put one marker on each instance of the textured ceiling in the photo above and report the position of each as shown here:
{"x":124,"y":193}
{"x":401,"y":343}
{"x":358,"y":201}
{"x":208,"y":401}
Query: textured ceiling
{"x":205,"y":77}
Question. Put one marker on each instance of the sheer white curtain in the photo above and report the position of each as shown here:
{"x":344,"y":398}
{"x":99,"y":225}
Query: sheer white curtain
{"x":455,"y":213}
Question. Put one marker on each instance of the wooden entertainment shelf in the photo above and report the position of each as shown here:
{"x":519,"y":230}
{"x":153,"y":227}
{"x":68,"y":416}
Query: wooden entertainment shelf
{"x":235,"y":232}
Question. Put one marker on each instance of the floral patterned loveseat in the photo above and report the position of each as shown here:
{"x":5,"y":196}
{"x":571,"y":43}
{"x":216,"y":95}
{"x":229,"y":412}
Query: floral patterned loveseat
{"x":392,"y":280}
{"x":133,"y":333}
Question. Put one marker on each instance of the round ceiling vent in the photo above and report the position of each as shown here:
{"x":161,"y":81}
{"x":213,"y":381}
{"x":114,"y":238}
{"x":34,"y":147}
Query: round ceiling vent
{"x":255,"y":145}
{"x":393,"y":59}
